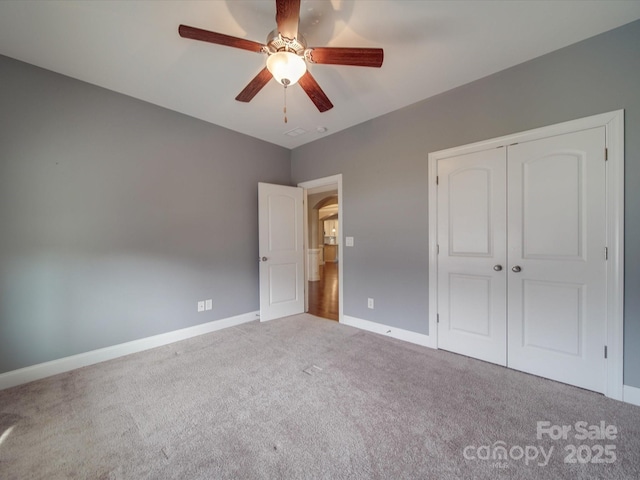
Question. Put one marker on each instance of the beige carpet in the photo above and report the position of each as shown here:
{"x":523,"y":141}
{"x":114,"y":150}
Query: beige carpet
{"x":303,"y":397}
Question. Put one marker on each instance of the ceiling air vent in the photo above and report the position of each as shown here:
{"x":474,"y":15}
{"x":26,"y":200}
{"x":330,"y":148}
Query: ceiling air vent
{"x":295,"y":132}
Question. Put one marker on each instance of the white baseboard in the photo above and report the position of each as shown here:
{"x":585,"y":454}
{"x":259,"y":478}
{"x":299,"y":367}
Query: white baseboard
{"x":61,"y":365}
{"x":631,"y":395}
{"x":399,"y":333}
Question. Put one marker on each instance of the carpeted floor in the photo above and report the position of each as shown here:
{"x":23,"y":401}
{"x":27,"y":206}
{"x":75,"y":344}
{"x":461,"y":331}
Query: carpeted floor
{"x":303,"y":397}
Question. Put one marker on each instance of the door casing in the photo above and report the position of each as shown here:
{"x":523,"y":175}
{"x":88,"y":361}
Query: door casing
{"x":614,"y":127}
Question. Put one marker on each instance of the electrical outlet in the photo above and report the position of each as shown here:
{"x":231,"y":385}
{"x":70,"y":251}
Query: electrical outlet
{"x":200,"y":305}
{"x":208,"y":304}
{"x":370,"y":303}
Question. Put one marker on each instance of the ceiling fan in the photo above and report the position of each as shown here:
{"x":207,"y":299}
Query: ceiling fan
{"x":288,"y":55}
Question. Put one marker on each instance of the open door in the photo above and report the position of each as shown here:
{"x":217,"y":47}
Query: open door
{"x":281,"y":247}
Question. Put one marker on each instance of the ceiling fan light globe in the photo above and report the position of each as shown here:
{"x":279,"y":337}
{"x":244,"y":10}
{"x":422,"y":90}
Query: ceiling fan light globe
{"x":286,"y":67}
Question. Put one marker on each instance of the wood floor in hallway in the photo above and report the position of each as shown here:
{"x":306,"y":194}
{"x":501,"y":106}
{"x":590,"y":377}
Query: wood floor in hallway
{"x":323,"y":294}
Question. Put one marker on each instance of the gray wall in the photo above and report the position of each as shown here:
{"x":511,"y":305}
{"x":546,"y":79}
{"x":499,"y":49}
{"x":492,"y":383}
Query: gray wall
{"x":116,"y":216}
{"x":384,"y":167}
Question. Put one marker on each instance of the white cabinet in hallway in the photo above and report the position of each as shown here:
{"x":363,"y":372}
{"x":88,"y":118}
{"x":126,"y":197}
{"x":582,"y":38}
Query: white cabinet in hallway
{"x":331,"y":253}
{"x":331,"y":231}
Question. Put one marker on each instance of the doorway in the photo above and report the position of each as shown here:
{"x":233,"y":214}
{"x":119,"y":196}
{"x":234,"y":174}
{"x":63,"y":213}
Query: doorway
{"x":324,"y":244}
{"x":323,"y":247}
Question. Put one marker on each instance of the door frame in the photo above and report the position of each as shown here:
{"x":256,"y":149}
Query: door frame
{"x":322,"y":182}
{"x":614,"y":128}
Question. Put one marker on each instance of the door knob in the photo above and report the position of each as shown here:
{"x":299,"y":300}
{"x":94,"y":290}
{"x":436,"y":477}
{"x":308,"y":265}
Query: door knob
{"x":497,"y":268}
{"x":264,"y":259}
{"x":516,"y":269}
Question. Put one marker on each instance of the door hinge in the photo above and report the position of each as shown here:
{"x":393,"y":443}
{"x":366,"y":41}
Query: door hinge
{"x":605,"y":351}
{"x":438,"y":249}
{"x":606,"y":154}
{"x":437,"y":180}
{"x":437,"y":318}
{"x":606,"y":253}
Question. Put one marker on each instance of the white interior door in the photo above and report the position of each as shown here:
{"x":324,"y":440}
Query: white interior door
{"x":280,"y":219}
{"x":557,"y":267}
{"x":472,"y":255}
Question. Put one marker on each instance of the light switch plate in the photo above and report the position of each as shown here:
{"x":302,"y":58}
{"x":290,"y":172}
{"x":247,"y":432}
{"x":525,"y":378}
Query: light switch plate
{"x":201,"y":306}
{"x":349,"y":241}
{"x":208,"y":304}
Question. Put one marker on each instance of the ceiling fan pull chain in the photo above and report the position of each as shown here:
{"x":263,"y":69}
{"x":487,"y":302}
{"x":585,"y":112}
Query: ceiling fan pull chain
{"x":285,"y":104}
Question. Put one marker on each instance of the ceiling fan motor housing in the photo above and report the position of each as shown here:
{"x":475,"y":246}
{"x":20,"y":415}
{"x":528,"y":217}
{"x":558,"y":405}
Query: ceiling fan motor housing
{"x":278,"y":43}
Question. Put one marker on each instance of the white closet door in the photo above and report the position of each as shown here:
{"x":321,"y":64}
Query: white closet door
{"x":471,"y":262}
{"x":556,"y":279}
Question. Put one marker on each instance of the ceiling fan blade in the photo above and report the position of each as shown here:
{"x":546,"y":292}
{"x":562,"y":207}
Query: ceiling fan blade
{"x":218,"y":38}
{"x":287,"y":17}
{"x":254,"y":86}
{"x":317,"y":96}
{"x":362,"y":57}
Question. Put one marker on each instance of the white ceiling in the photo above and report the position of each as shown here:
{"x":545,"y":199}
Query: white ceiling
{"x":133,"y":47}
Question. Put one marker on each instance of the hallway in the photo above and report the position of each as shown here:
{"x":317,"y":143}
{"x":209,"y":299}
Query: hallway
{"x":323,"y":294}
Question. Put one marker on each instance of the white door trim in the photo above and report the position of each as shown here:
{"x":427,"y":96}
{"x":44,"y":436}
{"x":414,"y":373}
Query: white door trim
{"x":321,"y":182}
{"x":614,"y":124}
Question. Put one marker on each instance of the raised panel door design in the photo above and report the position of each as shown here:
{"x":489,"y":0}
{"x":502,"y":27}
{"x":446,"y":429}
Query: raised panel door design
{"x":544,"y":311}
{"x":542,"y":303}
{"x":281,"y":251}
{"x":472,"y":241}
{"x":285,"y":277}
{"x":557,"y":227}
{"x":470,"y":211}
{"x":553,"y":187}
{"x":282,"y":223}
{"x":473,"y":315}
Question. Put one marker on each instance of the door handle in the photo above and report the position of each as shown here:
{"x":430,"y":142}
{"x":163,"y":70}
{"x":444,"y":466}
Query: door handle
{"x":497,"y":268}
{"x":264,"y":259}
{"x":516,"y":269}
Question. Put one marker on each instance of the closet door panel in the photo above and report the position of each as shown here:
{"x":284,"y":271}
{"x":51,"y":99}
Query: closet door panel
{"x":557,"y":269}
{"x":472,"y":252}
